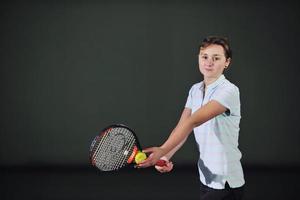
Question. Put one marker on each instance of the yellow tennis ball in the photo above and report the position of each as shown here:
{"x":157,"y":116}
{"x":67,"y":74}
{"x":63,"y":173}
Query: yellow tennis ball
{"x":140,"y":156}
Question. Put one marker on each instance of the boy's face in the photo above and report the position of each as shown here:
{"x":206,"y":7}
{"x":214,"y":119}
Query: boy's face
{"x":212,"y":61}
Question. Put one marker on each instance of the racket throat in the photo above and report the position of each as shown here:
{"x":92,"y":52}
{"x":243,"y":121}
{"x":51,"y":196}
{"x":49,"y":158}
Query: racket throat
{"x":132,"y":156}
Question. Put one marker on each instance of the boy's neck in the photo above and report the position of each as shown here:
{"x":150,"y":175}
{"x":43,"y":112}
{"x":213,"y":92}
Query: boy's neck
{"x":208,"y":81}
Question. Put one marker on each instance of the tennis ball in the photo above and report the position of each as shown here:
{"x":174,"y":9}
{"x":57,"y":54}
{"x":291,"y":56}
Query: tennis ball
{"x":140,"y":156}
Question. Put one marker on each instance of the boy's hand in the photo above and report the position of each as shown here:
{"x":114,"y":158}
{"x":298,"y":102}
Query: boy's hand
{"x":155,"y":154}
{"x":167,"y":168}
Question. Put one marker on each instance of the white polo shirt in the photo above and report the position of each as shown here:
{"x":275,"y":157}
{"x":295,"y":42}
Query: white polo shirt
{"x":217,"y":139}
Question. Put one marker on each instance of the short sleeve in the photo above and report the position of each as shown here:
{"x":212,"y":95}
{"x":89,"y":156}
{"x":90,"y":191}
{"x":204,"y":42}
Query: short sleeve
{"x":188,"y":103}
{"x":228,"y":97}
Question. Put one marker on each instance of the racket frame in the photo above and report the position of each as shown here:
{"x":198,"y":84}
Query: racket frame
{"x":137,"y":147}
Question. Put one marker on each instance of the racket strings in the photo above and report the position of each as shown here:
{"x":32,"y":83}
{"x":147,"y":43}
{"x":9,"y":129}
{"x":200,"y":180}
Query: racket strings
{"x":105,"y":158}
{"x":119,"y":159}
{"x":127,"y":151}
{"x":122,"y":157}
{"x":113,"y":161}
{"x":102,"y":153}
{"x":99,"y":147}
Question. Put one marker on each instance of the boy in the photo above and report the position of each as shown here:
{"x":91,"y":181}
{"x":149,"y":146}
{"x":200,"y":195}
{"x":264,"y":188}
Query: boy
{"x":212,"y":111}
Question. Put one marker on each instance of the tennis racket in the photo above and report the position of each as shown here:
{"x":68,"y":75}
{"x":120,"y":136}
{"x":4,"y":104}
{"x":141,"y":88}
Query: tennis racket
{"x":115,"y":147}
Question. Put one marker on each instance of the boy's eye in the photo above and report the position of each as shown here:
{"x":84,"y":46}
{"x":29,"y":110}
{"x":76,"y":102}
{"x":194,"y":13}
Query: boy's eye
{"x":214,"y":58}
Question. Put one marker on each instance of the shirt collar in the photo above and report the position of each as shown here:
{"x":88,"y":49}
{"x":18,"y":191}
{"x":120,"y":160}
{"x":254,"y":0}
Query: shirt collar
{"x":214,"y":84}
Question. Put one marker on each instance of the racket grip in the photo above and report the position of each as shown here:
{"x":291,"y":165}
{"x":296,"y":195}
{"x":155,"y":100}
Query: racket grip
{"x":161,"y":163}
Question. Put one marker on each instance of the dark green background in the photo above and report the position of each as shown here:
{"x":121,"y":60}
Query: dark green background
{"x":68,"y":69}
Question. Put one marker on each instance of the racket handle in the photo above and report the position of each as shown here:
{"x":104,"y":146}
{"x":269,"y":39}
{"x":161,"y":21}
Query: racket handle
{"x":161,"y":163}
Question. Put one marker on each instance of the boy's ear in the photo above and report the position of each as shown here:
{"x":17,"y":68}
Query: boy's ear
{"x":227,"y":62}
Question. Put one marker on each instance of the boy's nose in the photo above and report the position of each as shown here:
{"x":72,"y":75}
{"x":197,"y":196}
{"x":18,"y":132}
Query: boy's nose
{"x":209,"y":61}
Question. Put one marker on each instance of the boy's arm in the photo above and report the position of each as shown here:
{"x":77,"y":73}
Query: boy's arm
{"x":186,"y":113}
{"x":202,"y":115}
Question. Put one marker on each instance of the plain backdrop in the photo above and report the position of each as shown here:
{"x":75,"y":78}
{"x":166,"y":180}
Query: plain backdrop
{"x":70,"y":68}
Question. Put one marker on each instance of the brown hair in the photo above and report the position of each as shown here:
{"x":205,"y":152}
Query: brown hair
{"x":218,"y":40}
